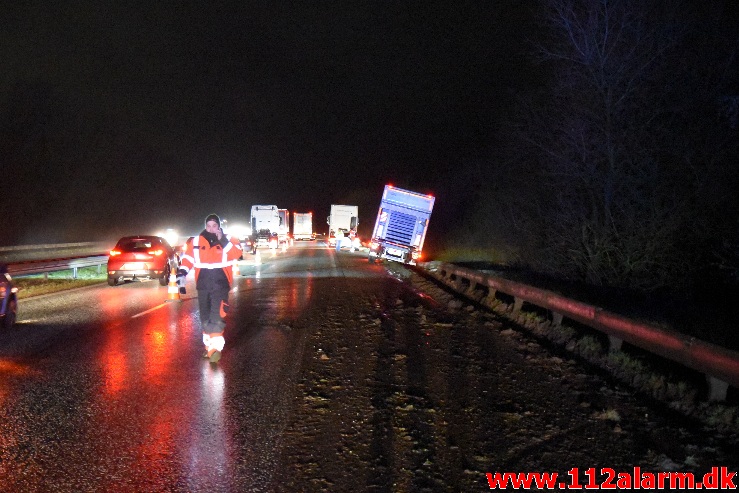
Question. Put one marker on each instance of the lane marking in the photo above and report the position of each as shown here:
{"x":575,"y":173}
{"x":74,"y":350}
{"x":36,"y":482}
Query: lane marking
{"x":150,"y":310}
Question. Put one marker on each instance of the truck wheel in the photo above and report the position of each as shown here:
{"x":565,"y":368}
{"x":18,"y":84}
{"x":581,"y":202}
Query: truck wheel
{"x":371,"y":259}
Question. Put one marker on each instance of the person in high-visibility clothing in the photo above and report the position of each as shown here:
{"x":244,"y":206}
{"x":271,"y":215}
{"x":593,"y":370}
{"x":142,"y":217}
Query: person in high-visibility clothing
{"x":352,"y":237}
{"x":212,"y":254}
{"x":339,"y":239}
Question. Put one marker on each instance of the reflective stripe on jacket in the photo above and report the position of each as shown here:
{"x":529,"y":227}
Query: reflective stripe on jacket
{"x":198,"y":254}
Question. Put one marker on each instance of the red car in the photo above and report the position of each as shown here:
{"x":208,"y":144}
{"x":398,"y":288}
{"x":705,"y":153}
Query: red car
{"x":137,"y":258}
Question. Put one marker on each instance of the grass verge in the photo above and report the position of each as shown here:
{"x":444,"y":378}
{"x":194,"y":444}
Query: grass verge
{"x":36,"y":285}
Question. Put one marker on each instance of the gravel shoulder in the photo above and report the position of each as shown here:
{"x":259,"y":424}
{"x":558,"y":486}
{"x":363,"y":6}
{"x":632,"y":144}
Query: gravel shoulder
{"x":404,"y":388}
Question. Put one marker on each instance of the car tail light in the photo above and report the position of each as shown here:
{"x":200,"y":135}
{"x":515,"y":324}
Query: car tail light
{"x":113,"y":253}
{"x":156,"y":252}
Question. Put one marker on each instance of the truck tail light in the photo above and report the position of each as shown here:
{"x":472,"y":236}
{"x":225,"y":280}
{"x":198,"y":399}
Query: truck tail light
{"x":416,"y":255}
{"x":374,"y":245}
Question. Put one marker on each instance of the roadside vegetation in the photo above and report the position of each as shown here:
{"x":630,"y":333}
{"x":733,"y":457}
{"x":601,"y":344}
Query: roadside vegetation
{"x":39,"y":284}
{"x":614,"y":175}
{"x":611,"y":180}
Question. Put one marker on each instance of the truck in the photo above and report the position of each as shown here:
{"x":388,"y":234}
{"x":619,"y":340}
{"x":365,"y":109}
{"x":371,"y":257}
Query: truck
{"x":283,"y":230}
{"x":344,"y":219}
{"x":401,"y":225}
{"x":265,"y":225}
{"x":303,"y":226}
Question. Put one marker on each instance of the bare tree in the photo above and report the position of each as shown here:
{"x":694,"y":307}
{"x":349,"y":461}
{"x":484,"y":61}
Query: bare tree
{"x":622,"y":197}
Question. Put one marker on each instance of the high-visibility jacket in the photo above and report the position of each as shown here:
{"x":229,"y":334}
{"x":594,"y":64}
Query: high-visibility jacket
{"x":200,"y":254}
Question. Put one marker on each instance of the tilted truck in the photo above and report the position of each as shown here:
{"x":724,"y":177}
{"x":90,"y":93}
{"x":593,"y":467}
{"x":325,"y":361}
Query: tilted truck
{"x":343,"y":220}
{"x":303,"y":226}
{"x":401,"y":224}
{"x":265,"y":223}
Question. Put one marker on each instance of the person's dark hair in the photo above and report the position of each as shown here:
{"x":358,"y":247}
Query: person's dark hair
{"x":213,"y":217}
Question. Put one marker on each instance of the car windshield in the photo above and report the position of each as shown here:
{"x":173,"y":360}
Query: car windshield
{"x":137,"y":245}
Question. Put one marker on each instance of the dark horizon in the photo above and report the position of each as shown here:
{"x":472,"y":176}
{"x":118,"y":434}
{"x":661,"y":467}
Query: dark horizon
{"x":119,"y":119}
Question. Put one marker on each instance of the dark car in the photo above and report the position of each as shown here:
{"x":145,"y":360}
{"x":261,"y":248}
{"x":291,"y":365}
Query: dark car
{"x":247,"y":244}
{"x":8,"y":298}
{"x":264,"y":239}
{"x":138,"y":258}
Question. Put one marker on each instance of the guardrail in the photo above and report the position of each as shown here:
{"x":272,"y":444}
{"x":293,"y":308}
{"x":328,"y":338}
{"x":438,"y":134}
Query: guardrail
{"x":719,"y":365}
{"x":49,"y":246}
{"x":25,"y":253}
{"x":53,"y":265}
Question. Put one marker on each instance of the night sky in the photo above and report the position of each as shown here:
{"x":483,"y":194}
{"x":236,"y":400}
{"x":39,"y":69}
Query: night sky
{"x":123,"y":118}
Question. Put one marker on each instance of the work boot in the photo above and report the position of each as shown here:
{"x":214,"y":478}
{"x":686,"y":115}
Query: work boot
{"x":215,"y":357}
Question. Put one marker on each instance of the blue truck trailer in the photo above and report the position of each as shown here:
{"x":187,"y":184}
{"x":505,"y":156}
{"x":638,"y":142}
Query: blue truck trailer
{"x":401,"y":224}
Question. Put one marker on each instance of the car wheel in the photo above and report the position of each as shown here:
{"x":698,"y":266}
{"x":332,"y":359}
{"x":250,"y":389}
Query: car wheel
{"x":112,"y":281}
{"x":10,"y":315}
{"x":164,"y":280}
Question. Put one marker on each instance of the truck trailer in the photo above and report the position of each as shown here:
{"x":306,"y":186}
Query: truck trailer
{"x":401,"y":225}
{"x":283,"y":230}
{"x":303,"y":226}
{"x":265,"y":225}
{"x":343,"y":221}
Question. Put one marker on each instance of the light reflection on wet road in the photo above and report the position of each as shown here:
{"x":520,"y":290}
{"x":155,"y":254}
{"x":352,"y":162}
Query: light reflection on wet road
{"x":105,"y":388}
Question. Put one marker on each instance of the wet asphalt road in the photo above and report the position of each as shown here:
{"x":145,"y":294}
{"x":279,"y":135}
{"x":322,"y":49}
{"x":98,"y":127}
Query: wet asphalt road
{"x":105,"y":389}
{"x":336,"y":376}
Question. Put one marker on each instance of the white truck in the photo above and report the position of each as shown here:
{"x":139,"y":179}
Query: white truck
{"x":401,"y":225}
{"x":265,"y":225}
{"x":283,"y":230}
{"x":343,"y":220}
{"x":303,"y":226}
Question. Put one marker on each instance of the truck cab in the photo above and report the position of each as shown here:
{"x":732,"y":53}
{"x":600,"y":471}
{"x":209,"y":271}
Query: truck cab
{"x":265,"y":222}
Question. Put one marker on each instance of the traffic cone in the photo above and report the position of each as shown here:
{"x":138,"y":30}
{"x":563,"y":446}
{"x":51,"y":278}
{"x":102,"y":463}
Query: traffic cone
{"x":173,"y":291}
{"x":257,"y":258}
